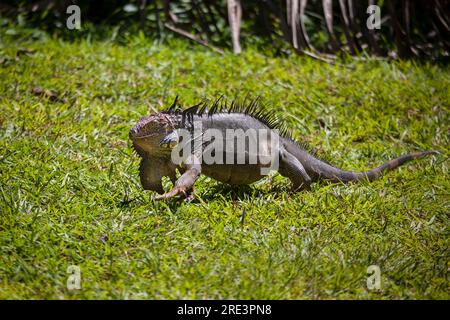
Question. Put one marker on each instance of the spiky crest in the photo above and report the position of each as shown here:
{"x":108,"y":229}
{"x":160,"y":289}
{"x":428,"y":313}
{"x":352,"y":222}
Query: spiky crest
{"x":247,"y":106}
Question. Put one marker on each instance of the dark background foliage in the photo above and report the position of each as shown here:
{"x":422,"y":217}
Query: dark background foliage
{"x":409,"y":29}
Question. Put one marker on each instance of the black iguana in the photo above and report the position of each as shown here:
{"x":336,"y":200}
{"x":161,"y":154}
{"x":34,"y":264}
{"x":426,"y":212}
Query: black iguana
{"x":156,"y":137}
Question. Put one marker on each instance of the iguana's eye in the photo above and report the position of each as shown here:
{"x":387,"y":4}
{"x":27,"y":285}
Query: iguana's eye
{"x":172,"y":144}
{"x":170,"y":140}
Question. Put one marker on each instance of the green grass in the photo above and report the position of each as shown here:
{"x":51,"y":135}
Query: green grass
{"x":70,"y":193}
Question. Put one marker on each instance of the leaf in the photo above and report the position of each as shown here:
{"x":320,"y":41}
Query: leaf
{"x":12,"y":32}
{"x":328,"y":12}
{"x":130,"y":8}
{"x":345,"y":19}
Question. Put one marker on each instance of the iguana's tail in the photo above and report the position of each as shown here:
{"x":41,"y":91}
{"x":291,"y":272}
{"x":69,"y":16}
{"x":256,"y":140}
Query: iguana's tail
{"x":329,"y":172}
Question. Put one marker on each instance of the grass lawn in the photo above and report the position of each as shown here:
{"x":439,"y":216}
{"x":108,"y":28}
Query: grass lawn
{"x":70,"y":193}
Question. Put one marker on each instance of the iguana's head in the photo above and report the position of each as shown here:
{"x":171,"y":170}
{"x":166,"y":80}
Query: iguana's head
{"x":149,"y":132}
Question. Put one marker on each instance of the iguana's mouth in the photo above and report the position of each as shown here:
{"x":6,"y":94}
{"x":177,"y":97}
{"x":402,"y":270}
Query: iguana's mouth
{"x":143,"y":137}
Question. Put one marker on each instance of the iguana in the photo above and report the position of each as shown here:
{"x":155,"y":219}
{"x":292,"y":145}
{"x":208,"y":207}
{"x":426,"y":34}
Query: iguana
{"x":156,"y":137}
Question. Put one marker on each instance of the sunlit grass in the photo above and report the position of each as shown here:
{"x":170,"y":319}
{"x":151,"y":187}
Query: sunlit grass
{"x":70,"y":194}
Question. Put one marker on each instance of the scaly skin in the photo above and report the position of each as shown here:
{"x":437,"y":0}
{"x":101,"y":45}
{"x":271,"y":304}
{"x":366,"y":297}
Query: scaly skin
{"x":154,"y":139}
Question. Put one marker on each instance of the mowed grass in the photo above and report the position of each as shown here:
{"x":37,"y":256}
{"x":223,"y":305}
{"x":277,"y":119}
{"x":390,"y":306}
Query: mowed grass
{"x":70,"y":193}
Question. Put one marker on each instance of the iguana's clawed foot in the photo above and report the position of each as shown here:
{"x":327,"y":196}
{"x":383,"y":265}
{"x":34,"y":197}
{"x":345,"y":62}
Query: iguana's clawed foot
{"x":172,"y":193}
{"x":189,"y":198}
{"x":187,"y":195}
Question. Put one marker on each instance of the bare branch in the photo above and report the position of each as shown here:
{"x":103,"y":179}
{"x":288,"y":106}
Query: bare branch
{"x":192,"y":37}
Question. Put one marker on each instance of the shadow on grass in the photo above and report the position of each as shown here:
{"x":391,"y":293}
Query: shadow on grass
{"x":216,"y":192}
{"x":241,"y":192}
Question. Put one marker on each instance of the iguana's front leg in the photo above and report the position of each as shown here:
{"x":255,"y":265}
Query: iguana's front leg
{"x":151,"y":172}
{"x":185,"y":184}
{"x":293,"y":169}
